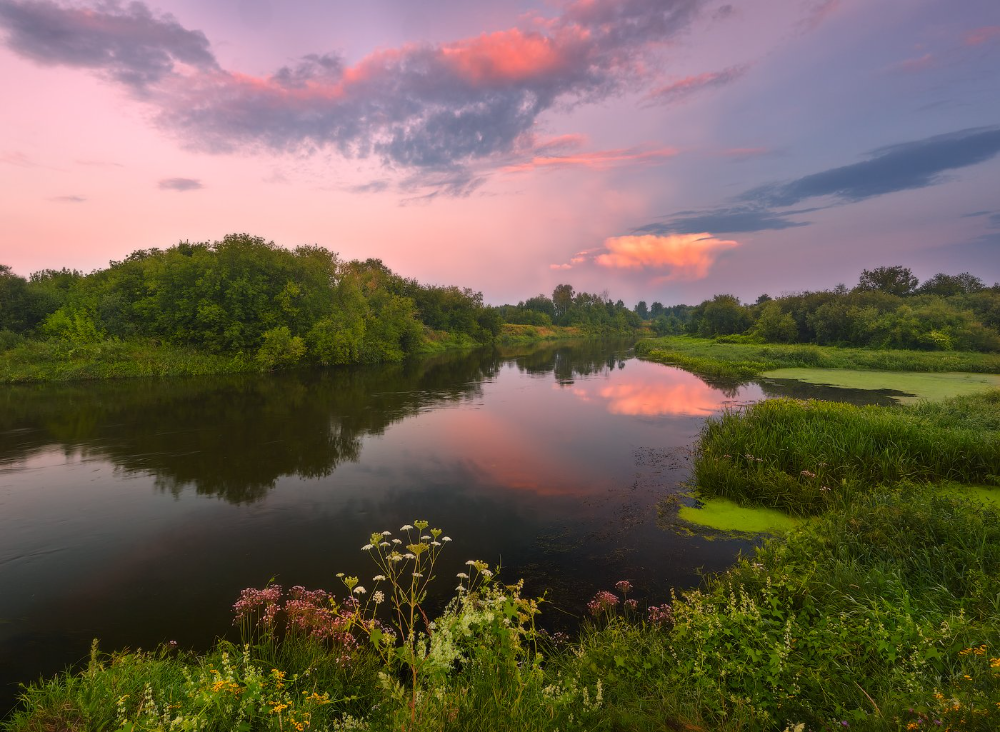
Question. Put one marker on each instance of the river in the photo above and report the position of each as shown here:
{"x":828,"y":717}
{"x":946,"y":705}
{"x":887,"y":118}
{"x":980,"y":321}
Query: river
{"x":135,"y":511}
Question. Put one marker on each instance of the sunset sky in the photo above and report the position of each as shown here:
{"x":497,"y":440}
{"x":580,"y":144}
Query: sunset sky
{"x":658,"y":149}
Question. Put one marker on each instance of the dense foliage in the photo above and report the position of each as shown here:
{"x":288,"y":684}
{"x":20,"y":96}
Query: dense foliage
{"x":888,"y":308}
{"x":260,"y":305}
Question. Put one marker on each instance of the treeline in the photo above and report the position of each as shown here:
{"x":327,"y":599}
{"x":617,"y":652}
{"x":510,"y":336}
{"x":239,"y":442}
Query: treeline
{"x":888,"y":308}
{"x":566,"y":307}
{"x":278,"y":307}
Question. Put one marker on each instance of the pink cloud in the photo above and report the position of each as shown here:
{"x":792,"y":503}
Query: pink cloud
{"x":560,"y":266}
{"x":597,"y":160}
{"x":428,"y":109}
{"x":743,"y":153}
{"x":689,"y":85}
{"x":979,"y":36}
{"x":918,"y":63}
{"x":685,"y":256}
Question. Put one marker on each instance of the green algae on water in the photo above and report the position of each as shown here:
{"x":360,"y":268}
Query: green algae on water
{"x":905,"y":386}
{"x":725,"y":515}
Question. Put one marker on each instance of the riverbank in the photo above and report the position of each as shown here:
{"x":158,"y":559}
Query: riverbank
{"x":734,"y":358}
{"x":40,"y":361}
{"x":876,"y":616}
{"x":880,"y":613}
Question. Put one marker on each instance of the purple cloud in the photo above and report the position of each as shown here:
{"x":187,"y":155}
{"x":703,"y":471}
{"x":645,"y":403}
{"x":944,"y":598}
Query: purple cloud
{"x":431,"y":108}
{"x":129,"y":44}
{"x":180,"y":184}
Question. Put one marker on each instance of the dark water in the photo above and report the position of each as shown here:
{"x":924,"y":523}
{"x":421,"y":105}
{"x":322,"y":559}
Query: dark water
{"x":135,"y":511}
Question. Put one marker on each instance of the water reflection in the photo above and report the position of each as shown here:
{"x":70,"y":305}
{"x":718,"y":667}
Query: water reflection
{"x":553,"y":459}
{"x":646,"y":392}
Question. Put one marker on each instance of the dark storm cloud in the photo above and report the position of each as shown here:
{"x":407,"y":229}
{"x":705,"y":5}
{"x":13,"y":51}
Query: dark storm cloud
{"x":889,"y":169}
{"x":180,"y":184}
{"x":902,"y":167}
{"x":130,"y":44}
{"x":724,"y":221}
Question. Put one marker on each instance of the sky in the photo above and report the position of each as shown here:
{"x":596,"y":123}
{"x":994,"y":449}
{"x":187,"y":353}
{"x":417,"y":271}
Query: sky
{"x":665,"y":150}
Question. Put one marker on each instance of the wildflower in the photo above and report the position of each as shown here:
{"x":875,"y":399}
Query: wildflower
{"x":460,"y":588}
{"x":623,"y":586}
{"x":384,"y":544}
{"x":445,"y":538}
{"x":462,"y":575}
{"x":435,"y":543}
{"x":602,"y":602}
{"x":487,"y":574}
{"x":378,"y":578}
{"x":406,"y":527}
{"x":359,"y":590}
{"x":632,"y":604}
{"x":378,"y":597}
{"x":396,"y":557}
{"x":417,"y":574}
{"x":396,"y":541}
{"x":662,"y":615}
{"x":367,"y":548}
{"x":409,"y":555}
{"x":386,"y":533}
{"x":425,"y":538}
{"x":808,"y":474}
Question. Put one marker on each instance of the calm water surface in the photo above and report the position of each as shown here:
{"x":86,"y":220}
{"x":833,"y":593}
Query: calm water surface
{"x":135,"y":511}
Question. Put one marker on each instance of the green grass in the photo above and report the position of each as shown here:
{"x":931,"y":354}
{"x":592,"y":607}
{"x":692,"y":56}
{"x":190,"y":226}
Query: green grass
{"x":53,"y":360}
{"x":804,"y":457}
{"x":747,"y":360}
{"x":917,"y":386}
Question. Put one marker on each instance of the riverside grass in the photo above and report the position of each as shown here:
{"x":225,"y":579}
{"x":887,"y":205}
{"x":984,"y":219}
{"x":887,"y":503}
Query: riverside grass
{"x":733,"y":358}
{"x":805,"y":457}
{"x":878,"y":615}
{"x":26,"y":361}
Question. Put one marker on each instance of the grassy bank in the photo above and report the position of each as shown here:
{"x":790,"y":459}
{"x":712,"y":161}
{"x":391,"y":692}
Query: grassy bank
{"x":880,"y":614}
{"x":55,"y":360}
{"x":738,"y":359}
{"x":805,"y":457}
{"x":37,"y":361}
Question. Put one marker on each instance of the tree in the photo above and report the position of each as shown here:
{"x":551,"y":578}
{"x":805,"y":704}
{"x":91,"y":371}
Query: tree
{"x":948,"y":285}
{"x":775,"y":326}
{"x":723,"y":315}
{"x":641,"y":310}
{"x":761,"y":299}
{"x":655,"y":309}
{"x":562,"y":300}
{"x":891,"y":280}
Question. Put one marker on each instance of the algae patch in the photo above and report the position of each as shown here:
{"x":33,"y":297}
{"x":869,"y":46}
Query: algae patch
{"x":725,"y":515}
{"x":905,"y":386}
{"x":988,"y":494}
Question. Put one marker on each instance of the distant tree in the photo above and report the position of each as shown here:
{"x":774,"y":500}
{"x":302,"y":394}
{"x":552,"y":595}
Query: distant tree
{"x":656,"y":309}
{"x":540,"y":304}
{"x":723,"y":315}
{"x":891,"y":280}
{"x":562,"y":300}
{"x":761,"y":299}
{"x":775,"y":326}
{"x":641,"y":310}
{"x":948,"y":285}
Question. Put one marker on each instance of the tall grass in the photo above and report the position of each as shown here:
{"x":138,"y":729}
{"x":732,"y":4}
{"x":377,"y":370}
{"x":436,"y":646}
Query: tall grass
{"x":55,"y":360}
{"x":746,"y":360}
{"x":804,"y":457}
